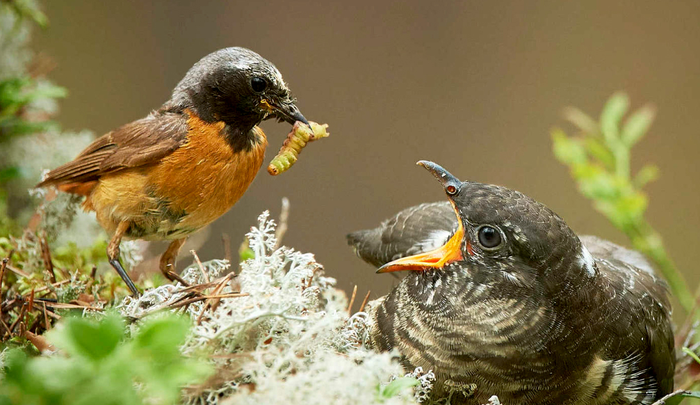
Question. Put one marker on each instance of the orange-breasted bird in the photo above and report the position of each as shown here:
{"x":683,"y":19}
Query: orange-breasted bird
{"x":175,"y":171}
{"x":503,"y":298}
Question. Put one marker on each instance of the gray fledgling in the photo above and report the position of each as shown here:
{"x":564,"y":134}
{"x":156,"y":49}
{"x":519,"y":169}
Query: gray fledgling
{"x":504,"y":298}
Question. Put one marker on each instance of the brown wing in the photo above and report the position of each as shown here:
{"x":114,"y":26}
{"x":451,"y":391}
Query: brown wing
{"x":647,"y":317}
{"x":138,"y":143}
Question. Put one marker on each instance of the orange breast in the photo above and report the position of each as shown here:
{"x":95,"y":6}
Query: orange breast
{"x":205,"y":177}
{"x":185,"y":191}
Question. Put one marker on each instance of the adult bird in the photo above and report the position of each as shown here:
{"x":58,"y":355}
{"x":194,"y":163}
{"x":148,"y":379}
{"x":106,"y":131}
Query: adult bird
{"x":175,"y":171}
{"x":504,"y":299}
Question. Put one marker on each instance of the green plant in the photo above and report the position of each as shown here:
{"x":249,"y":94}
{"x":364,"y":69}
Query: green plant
{"x":101,"y":366}
{"x":396,"y":387}
{"x":599,"y":160}
{"x":598,"y":157}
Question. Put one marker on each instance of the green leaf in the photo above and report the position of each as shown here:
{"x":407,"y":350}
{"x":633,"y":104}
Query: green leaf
{"x":645,"y":175}
{"x":395,"y":387}
{"x":597,"y":149}
{"x":162,"y":337}
{"x":160,"y":364}
{"x":691,"y":354}
{"x":581,"y":120}
{"x":596,"y":183}
{"x":568,"y":150}
{"x":612,"y":114}
{"x":9,"y":173}
{"x":637,"y":125}
{"x":632,"y":206}
{"x":246,"y":254}
{"x":45,"y":89}
{"x":29,"y":8}
{"x":86,"y":338}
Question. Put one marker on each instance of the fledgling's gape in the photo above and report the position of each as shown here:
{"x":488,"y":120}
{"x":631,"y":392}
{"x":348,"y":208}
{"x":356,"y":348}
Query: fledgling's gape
{"x":505,"y":299}
{"x":170,"y":174}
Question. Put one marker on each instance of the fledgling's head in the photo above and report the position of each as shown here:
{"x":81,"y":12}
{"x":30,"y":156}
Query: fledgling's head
{"x":502,"y":234}
{"x":237,"y":86}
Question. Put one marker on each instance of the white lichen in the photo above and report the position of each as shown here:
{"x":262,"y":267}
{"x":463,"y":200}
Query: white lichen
{"x":425,"y":381}
{"x":285,"y":337}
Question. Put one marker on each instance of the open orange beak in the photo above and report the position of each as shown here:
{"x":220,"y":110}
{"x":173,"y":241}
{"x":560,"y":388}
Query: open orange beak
{"x":435,"y":259}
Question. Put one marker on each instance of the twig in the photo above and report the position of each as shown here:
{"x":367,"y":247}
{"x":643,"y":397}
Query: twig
{"x":205,"y":276}
{"x":282,"y":226}
{"x":663,"y":400}
{"x":52,"y":314}
{"x":91,"y":282}
{"x":2,"y":276}
{"x":2,"y":270}
{"x":204,"y":297}
{"x":7,"y":328}
{"x":226,"y":240}
{"x":364,"y":301}
{"x":17,"y":271}
{"x":352,"y":299}
{"x":31,"y":301}
{"x":213,"y":302}
{"x":47,"y":324}
{"x":46,"y":287}
{"x":46,"y":255}
{"x":60,"y":305}
{"x":19,"y":317}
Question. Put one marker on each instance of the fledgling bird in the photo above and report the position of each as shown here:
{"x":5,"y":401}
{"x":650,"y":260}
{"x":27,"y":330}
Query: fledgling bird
{"x":505,"y":299}
{"x":168,"y":175}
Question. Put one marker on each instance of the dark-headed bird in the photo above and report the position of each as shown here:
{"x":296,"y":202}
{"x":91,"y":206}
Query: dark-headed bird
{"x":168,"y":175}
{"x":503,"y":298}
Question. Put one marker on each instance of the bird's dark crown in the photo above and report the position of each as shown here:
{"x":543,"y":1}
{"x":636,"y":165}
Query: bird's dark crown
{"x":220,"y":88}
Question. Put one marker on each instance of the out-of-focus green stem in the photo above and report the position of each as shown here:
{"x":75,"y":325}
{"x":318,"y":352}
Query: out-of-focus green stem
{"x":604,"y":175}
{"x":622,"y":162}
{"x":645,"y":239}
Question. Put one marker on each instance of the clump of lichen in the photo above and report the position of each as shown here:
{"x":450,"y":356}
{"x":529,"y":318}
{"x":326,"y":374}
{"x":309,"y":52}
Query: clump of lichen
{"x":278,"y":332}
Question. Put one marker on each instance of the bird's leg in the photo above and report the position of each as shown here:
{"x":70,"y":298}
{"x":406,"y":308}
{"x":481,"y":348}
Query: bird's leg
{"x":167,"y":261}
{"x":113,"y":256}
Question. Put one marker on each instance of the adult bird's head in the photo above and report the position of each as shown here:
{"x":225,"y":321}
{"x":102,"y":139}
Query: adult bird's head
{"x":237,"y":86}
{"x":502,"y":235}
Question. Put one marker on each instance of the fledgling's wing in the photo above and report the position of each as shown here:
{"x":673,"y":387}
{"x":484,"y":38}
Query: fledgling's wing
{"x":607,"y":250}
{"x":138,"y":143}
{"x":645,"y":296}
{"x":412,"y":231}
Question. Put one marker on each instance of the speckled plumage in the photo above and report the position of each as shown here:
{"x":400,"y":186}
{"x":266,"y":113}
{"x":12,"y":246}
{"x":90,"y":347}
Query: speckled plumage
{"x":542,"y":320}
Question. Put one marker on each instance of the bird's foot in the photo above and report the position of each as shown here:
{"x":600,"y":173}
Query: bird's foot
{"x":172,"y":276}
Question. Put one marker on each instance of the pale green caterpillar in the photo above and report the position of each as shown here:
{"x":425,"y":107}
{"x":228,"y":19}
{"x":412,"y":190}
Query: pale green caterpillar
{"x":296,"y":141}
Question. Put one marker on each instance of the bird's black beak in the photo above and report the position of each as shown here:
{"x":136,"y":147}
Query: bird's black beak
{"x":448,"y":253}
{"x":284,"y":110}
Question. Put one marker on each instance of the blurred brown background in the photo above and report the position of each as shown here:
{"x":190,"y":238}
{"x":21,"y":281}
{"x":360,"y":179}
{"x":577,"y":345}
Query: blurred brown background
{"x":473,"y":85}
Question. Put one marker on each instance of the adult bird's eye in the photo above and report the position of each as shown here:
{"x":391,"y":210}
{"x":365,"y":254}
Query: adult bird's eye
{"x":258,"y":84}
{"x":489,"y":237}
{"x":451,"y":190}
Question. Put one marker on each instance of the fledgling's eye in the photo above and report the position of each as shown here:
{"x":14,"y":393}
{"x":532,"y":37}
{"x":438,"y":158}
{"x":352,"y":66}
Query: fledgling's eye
{"x":451,"y":190}
{"x":258,"y":84}
{"x":489,"y":237}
